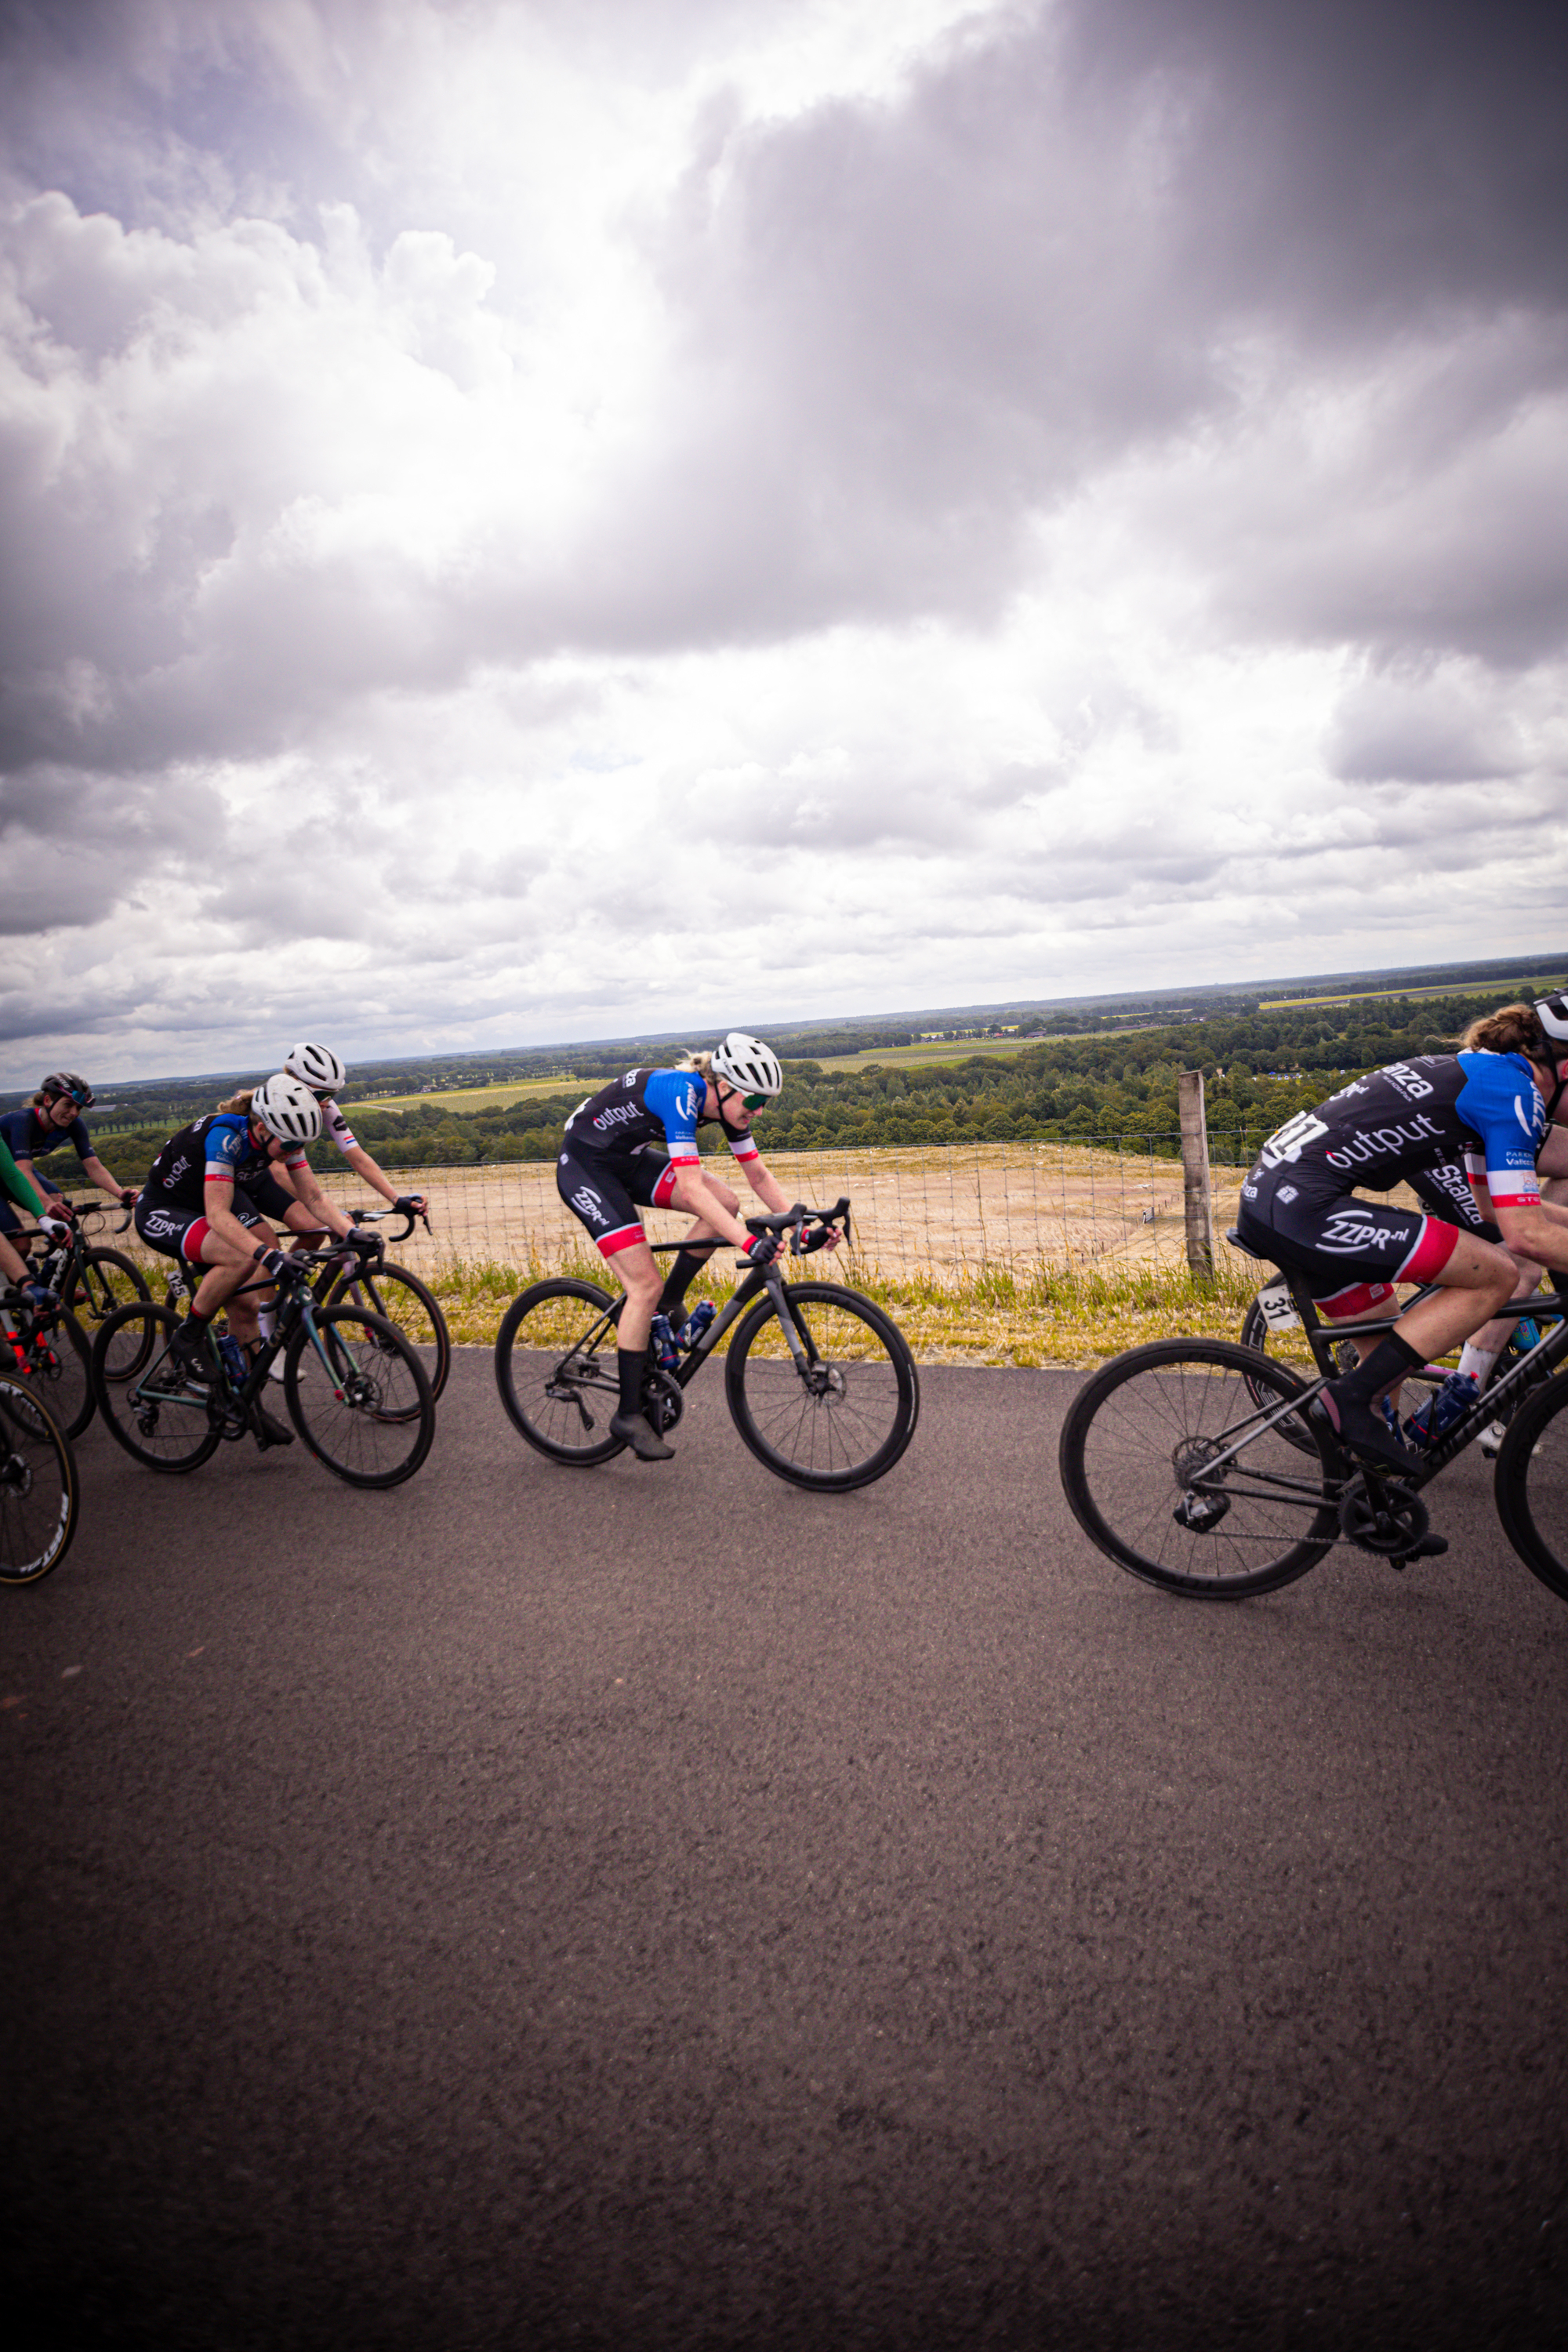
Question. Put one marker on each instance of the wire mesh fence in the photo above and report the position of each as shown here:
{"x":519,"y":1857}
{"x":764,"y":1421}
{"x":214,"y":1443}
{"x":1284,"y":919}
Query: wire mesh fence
{"x":943,"y":1211}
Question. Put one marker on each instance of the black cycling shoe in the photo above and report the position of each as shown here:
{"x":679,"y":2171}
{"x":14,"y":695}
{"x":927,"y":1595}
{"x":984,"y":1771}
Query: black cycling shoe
{"x":190,"y":1360}
{"x":1357,"y":1426}
{"x":633,"y":1429}
{"x":269,"y":1431}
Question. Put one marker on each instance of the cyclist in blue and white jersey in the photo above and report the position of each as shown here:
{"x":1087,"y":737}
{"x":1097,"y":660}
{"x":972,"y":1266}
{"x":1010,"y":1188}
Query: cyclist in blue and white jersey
{"x":317,"y":1067}
{"x":53,"y":1122}
{"x":632,"y":1145}
{"x":1492,"y":1103}
{"x":204,"y":1201}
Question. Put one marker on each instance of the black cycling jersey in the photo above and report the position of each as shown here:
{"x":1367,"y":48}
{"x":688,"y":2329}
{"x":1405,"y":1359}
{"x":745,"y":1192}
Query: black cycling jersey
{"x":218,"y":1147}
{"x":1399,"y":1124}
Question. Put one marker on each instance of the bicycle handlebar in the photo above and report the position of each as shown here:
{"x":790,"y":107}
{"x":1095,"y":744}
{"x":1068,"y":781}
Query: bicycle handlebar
{"x":374,"y":1216}
{"x":800,"y":1217}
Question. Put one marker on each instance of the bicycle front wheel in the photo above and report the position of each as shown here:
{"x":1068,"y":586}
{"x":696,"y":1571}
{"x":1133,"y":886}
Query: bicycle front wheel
{"x":37,"y":1484}
{"x":1134,"y":1459}
{"x":1530,"y":1484}
{"x":56,"y":1358}
{"x":401,"y":1299}
{"x":555,"y":1369}
{"x":160,"y":1422}
{"x":358,"y":1396}
{"x":104,"y":1281}
{"x":845,"y":1414}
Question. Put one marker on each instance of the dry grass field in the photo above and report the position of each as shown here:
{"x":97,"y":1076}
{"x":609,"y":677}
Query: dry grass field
{"x":1000,"y":1254}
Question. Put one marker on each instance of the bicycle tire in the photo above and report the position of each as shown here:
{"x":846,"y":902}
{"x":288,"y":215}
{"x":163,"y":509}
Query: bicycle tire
{"x":401,"y":1299}
{"x":847,"y":1420}
{"x":548,"y":1388}
{"x":1137,"y":1435}
{"x":372,"y":1420}
{"x":160,"y":1426}
{"x":104,"y":1280}
{"x":38,"y":1491}
{"x":1530,"y":1485}
{"x":57,"y":1358}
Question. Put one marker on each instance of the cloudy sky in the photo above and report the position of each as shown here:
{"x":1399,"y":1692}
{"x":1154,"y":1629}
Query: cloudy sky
{"x":532,"y":519}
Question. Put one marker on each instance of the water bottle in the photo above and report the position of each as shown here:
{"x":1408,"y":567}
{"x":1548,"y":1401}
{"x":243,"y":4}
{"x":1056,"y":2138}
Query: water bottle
{"x":661,"y":1340}
{"x":696,"y":1322}
{"x":236,"y":1364}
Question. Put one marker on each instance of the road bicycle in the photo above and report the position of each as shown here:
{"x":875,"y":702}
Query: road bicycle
{"x":45,"y":1346}
{"x":1196,"y":1465}
{"x":1278,"y":1308}
{"x":37,"y":1483}
{"x":89,"y":1282}
{"x":390,"y":1291}
{"x":820,"y":1383}
{"x":356,"y":1392}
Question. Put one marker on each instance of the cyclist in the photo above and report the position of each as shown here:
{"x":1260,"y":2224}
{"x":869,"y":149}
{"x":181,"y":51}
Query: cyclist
{"x":53,"y":1121}
{"x":634,"y":1146}
{"x":1494,"y":1103}
{"x":200,"y":1205}
{"x":317,"y":1067}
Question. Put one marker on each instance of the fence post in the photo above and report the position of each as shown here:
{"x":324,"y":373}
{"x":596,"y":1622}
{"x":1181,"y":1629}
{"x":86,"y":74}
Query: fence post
{"x":1196,"y":1172}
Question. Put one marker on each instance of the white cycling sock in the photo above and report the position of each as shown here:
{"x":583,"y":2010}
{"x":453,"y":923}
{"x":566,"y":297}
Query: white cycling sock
{"x":266,"y":1320}
{"x":1478,"y":1361}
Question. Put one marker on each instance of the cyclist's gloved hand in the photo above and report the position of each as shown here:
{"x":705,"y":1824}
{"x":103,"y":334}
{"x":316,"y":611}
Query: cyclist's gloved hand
{"x":762,"y":1249}
{"x":55,"y":1228}
{"x":128,"y":1198}
{"x":272,"y":1262}
{"x":820,"y":1237}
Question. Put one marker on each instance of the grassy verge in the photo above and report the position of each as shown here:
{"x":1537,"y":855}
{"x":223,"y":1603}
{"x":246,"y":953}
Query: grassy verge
{"x":996,"y":1315}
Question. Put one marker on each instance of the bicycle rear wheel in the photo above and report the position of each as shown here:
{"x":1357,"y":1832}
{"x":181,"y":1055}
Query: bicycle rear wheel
{"x":1134,"y":1457}
{"x":159,"y":1422}
{"x":358,"y":1396}
{"x":1530,"y":1484}
{"x":401,"y":1299}
{"x":846,"y":1417}
{"x":37,"y":1484}
{"x":104,"y":1281}
{"x":555,"y":1369}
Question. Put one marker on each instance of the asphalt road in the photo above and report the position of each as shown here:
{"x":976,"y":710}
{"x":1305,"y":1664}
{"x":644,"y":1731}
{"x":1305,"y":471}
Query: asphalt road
{"x":654,"y":1907}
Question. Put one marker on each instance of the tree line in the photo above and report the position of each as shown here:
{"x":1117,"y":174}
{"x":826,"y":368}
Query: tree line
{"x":1121,"y":1090}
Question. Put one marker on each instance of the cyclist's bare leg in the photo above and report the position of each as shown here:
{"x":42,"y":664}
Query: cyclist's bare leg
{"x":1478,"y":1278}
{"x":13,"y":1265}
{"x":637,"y":1271}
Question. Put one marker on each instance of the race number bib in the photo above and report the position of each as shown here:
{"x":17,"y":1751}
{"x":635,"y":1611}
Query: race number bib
{"x":1278,"y":1308}
{"x":1288,"y":1141}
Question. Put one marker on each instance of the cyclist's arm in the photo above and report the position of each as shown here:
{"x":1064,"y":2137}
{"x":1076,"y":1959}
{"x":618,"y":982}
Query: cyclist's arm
{"x":96,"y":1173}
{"x":308,"y":1191}
{"x":16,"y":1181}
{"x":362,"y":1163}
{"x":694,"y":1196}
{"x":764,"y":1182}
{"x":1536,"y":1229}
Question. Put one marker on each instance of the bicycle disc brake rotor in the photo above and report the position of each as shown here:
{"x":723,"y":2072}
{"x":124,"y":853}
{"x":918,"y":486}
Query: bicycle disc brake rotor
{"x":1204,"y":1510}
{"x":1387,"y":1522}
{"x":16,"y":1475}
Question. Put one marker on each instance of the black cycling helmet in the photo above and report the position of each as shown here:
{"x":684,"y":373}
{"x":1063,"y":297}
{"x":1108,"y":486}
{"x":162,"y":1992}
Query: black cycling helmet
{"x":65,"y":1082}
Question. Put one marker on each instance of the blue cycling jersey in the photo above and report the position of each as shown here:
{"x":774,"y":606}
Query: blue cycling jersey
{"x":28,"y":1137}
{"x":1409,"y":1116}
{"x":649,"y":1110}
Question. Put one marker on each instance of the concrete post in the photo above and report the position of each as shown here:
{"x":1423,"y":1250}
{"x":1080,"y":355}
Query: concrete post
{"x":1196,"y":1172}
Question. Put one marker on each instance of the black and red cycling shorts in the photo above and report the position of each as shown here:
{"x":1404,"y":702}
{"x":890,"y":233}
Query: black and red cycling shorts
{"x":605,"y":1194}
{"x":1349,"y":1252}
{"x":175,"y":1231}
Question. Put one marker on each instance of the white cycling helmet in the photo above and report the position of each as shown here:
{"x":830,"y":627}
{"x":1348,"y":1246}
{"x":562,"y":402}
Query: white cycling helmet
{"x":286,"y":1108}
{"x":1551,"y":1012}
{"x":316,"y":1066}
{"x":747,"y":1064}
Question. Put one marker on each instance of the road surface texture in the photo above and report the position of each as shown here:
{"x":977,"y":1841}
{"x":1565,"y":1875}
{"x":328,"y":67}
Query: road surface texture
{"x":654,"y":1907}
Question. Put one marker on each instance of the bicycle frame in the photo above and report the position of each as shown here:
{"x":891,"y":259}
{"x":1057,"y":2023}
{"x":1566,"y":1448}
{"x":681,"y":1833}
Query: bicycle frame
{"x":234,"y":1401}
{"x":1543,"y":1358}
